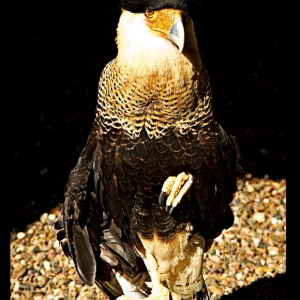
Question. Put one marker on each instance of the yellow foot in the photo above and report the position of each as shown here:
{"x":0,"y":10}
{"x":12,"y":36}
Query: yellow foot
{"x":175,"y":188}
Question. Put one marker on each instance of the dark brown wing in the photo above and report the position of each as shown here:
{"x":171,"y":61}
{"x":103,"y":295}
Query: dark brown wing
{"x":217,"y":181}
{"x":87,"y":230}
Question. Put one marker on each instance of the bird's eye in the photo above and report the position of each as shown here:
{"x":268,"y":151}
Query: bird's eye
{"x":150,"y":14}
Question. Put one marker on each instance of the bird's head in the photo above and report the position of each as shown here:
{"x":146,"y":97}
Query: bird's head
{"x":164,"y":18}
{"x":152,"y":34}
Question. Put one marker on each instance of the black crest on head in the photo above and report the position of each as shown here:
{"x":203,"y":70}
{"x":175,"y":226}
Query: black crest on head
{"x":138,"y":6}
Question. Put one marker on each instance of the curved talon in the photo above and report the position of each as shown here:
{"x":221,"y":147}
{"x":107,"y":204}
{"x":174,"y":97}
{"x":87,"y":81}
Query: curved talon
{"x":161,"y":197}
{"x":171,"y":210}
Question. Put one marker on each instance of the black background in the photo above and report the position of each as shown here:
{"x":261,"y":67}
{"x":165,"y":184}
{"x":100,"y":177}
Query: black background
{"x":60,"y":50}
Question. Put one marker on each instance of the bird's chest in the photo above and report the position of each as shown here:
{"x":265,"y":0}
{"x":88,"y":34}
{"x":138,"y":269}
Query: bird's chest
{"x":134,"y":161}
{"x":155,"y":103}
{"x":140,"y":165}
{"x":135,"y":170}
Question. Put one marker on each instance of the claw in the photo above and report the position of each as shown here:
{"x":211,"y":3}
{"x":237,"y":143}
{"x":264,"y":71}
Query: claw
{"x":171,"y":210}
{"x":175,"y":188}
{"x":162,"y":197}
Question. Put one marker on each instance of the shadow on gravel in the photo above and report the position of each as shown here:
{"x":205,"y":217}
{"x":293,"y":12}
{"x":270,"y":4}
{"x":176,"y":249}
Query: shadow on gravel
{"x":262,"y":289}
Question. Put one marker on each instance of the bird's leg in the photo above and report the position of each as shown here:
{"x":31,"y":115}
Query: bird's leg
{"x":159,"y":292}
{"x":174,"y":188}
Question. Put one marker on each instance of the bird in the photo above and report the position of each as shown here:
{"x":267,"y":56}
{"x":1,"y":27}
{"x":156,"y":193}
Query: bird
{"x":152,"y":187}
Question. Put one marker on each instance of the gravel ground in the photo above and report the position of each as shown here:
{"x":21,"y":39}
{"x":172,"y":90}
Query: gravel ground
{"x":246,"y":261}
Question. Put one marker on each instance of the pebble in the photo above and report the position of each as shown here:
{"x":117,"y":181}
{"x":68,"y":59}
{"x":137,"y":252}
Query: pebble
{"x":259,"y":217}
{"x":47,"y":265}
{"x":253,"y":248}
{"x":20,"y":235}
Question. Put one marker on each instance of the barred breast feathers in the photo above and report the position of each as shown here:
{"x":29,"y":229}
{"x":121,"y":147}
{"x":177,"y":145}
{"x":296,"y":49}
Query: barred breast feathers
{"x":158,"y":89}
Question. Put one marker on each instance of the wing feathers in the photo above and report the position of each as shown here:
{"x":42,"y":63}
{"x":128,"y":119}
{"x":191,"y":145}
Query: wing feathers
{"x":85,"y":260}
{"x":114,"y":242}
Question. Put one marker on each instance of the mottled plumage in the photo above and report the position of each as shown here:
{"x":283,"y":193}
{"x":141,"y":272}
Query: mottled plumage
{"x":153,"y":120}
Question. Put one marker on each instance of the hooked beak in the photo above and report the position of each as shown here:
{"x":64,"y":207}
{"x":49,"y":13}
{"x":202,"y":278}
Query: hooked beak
{"x":176,"y":34}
